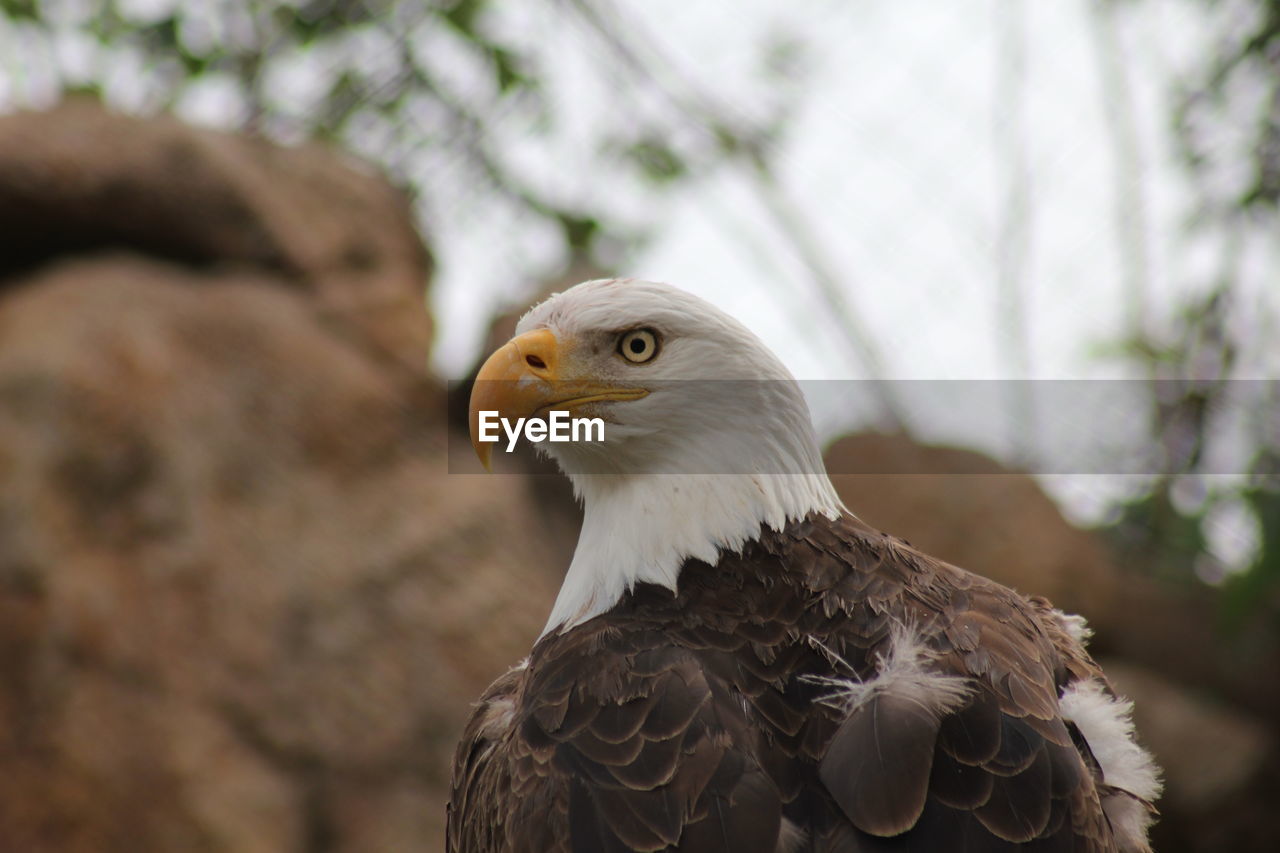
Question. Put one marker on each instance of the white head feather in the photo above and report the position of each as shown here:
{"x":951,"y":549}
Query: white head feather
{"x":722,"y":444}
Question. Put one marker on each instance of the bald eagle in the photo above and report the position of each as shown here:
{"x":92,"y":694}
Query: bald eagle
{"x":736,"y":663}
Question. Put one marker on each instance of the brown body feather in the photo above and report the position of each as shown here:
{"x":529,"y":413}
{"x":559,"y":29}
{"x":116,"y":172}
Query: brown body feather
{"x":713,"y":720}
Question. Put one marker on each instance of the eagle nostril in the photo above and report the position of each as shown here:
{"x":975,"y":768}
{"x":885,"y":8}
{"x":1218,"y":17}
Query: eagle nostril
{"x":535,"y":362}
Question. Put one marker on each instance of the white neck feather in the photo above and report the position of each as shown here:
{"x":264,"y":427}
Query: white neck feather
{"x":642,"y":528}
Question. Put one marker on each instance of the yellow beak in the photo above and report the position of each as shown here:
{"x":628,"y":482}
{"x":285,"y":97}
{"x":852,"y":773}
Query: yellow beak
{"x":531,"y":375}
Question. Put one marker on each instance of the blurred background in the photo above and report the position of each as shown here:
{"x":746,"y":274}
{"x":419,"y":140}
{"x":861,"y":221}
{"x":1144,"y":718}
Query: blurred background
{"x":246,"y":245}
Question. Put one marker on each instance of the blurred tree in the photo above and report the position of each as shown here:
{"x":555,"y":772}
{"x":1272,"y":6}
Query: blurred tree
{"x":1205,"y":359}
{"x":1239,"y":93}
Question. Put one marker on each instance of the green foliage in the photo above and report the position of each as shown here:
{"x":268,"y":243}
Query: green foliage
{"x":1192,"y":368}
{"x":1228,"y":95}
{"x":1151,"y":534}
{"x":18,"y":10}
{"x":655,"y":157}
{"x":1194,"y":361}
{"x":1257,"y":591}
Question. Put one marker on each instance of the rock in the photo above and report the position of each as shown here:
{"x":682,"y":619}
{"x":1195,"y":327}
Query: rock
{"x":243,"y":603}
{"x":968,"y":509}
{"x":1209,"y":753}
{"x":1219,"y":765}
{"x":78,"y":179}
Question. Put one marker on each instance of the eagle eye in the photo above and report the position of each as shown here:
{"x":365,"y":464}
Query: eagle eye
{"x":638,"y":345}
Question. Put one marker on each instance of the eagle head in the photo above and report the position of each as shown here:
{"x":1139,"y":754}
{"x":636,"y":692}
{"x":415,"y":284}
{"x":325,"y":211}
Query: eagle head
{"x":706,"y":434}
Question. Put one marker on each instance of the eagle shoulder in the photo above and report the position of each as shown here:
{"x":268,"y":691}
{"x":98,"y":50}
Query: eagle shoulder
{"x":975,"y":715}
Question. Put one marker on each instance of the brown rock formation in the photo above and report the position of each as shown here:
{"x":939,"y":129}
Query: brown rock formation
{"x":79,"y":179}
{"x":1221,"y":766}
{"x":972,"y":511}
{"x":243,"y":606}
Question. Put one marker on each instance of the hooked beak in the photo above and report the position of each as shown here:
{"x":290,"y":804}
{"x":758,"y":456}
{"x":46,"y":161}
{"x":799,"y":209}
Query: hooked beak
{"x":530,"y":375}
